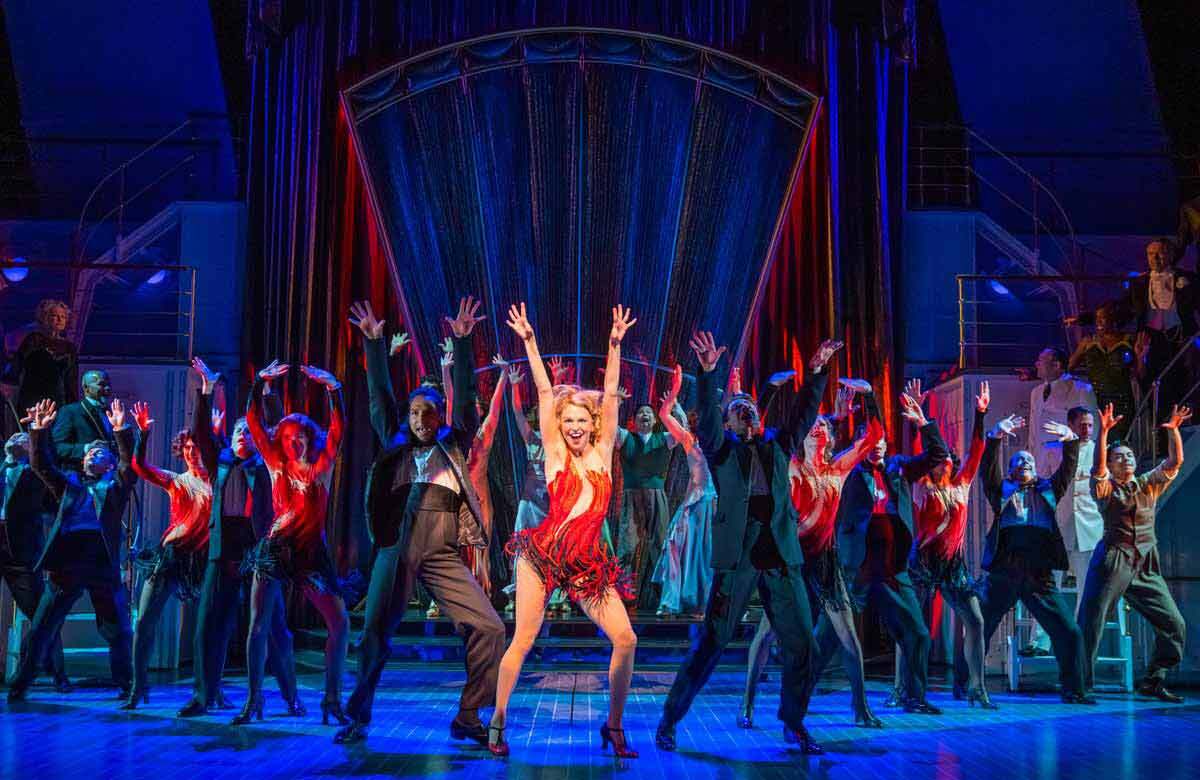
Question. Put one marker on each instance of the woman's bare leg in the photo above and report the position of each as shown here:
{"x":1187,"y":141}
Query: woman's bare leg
{"x":842,"y":621}
{"x":610,"y":615}
{"x":530,"y":599}
{"x":760,"y":651}
{"x":337,"y":623}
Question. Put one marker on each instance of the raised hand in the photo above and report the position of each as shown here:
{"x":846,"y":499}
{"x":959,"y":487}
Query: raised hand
{"x":515,"y":375}
{"x":1060,"y":431}
{"x":41,"y":414}
{"x":116,"y":414}
{"x":984,"y":398}
{"x":208,"y":377}
{"x":621,"y":322}
{"x":141,"y":416}
{"x":913,"y":388}
{"x":218,"y":421}
{"x":499,"y":362}
{"x":1179,"y":415}
{"x":842,"y":402}
{"x":823,"y":354}
{"x":273,"y":370}
{"x":1108,"y":420}
{"x":676,"y":385}
{"x":519,"y":322}
{"x":462,"y":325}
{"x":399,"y":342}
{"x":321,"y":376}
{"x":623,"y":394}
{"x":1008,"y":426}
{"x":561,"y":372}
{"x":911,"y":410}
{"x":706,"y":349}
{"x":362,"y":316}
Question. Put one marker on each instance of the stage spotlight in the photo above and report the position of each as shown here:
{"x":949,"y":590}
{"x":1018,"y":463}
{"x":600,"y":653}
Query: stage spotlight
{"x":999,"y":288}
{"x":16,"y":275}
{"x":157,"y":278}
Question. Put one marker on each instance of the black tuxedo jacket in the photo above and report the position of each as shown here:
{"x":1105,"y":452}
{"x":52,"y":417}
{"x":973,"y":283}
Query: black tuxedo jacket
{"x":69,"y":487}
{"x":385,"y":501}
{"x":729,"y":460}
{"x":230,"y":537}
{"x":76,"y":426}
{"x":858,"y":495}
{"x":26,"y":511}
{"x":1134,"y":306}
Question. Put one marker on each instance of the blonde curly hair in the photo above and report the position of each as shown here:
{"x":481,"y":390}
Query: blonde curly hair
{"x":42,"y":314}
{"x":574,"y":395}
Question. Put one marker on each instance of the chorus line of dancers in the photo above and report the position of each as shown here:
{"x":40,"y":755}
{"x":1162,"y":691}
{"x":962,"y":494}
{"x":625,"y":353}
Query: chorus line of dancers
{"x":820,"y":534}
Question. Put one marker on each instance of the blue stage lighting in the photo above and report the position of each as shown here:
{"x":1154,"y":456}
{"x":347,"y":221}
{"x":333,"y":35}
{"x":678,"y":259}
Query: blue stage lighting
{"x":157,"y":278}
{"x":999,"y":288}
{"x":16,"y":275}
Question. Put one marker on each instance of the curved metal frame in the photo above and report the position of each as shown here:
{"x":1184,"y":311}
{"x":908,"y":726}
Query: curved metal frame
{"x":459,"y":48}
{"x":702,"y":73}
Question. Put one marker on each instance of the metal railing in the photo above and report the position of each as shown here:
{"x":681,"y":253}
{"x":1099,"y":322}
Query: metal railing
{"x":1050,"y":331}
{"x":184,"y":134}
{"x":107,"y":323}
{"x":944,"y":173}
{"x":986,"y":339}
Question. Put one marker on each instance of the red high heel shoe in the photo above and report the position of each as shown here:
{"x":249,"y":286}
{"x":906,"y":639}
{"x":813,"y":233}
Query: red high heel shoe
{"x":620,"y":748}
{"x":498,"y":747}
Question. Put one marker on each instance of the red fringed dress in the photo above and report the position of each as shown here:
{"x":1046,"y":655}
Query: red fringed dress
{"x":182,"y":550}
{"x":816,"y":495}
{"x":940,"y":520}
{"x":570,"y":552}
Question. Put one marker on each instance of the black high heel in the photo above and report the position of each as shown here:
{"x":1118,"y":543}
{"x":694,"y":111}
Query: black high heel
{"x":134,"y":699}
{"x":746,"y":721}
{"x":253,"y":708}
{"x":980,"y":695}
{"x":332,"y":708}
{"x":355,"y":732}
{"x":867,"y":719}
{"x":620,"y":748}
{"x":296,"y":708}
{"x":800,"y":736}
{"x":498,"y":746}
{"x":193,"y":709}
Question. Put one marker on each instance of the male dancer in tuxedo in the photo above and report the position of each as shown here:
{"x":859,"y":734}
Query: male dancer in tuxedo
{"x":421,"y":508}
{"x":78,"y":425}
{"x":24,"y":510}
{"x":875,"y":535}
{"x":754,"y":540}
{"x":1024,"y":547}
{"x":83,"y":550}
{"x":242,"y":513}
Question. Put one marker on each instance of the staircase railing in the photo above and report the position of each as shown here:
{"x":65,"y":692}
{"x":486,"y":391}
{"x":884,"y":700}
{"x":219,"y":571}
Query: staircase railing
{"x":944,"y":173}
{"x":119,"y":177}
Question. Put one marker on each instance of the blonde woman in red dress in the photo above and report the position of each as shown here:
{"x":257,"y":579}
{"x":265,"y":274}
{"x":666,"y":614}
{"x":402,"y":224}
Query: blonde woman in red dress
{"x":567,"y":550}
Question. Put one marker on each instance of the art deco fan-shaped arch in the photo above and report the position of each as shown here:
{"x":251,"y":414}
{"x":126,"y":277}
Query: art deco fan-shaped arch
{"x":574,"y":169}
